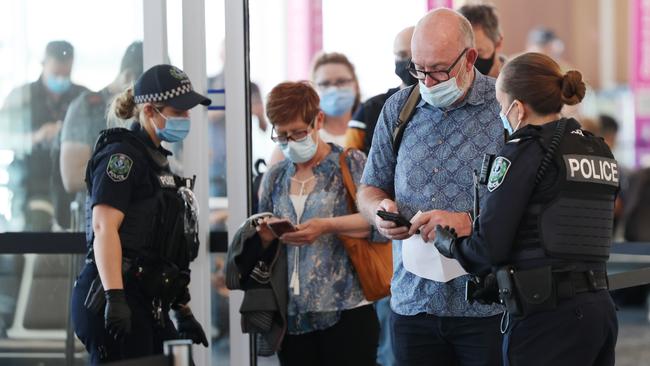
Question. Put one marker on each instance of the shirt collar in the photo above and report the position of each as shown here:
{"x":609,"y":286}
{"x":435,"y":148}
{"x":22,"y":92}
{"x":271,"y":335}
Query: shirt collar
{"x":475,"y":95}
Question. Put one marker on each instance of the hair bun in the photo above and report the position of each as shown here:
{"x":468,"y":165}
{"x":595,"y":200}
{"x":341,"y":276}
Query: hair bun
{"x":124,"y":105}
{"x":573,"y":88}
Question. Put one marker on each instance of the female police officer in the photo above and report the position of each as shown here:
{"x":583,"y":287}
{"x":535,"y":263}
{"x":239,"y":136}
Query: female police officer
{"x":141,"y":226}
{"x":545,"y":228}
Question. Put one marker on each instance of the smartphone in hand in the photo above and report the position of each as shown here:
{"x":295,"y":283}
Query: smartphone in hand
{"x":398,"y":219}
{"x":281,"y":226}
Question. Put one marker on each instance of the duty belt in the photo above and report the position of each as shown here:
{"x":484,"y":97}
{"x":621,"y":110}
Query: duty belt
{"x":570,"y":284}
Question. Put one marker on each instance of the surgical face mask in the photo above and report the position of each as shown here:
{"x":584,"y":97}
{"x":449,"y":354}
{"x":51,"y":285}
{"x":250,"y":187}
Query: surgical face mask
{"x":58,"y":84}
{"x":337,"y":101}
{"x":176,"y":128}
{"x":442,"y":94}
{"x":484,"y":65}
{"x":300,"y":151}
{"x":506,"y":122}
{"x":401,"y":70}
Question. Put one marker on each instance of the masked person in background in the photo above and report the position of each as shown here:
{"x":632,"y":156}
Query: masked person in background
{"x":141,"y":226}
{"x":487,"y":33}
{"x":33,"y":114}
{"x":546,"y":223}
{"x":362,"y":126}
{"x":86,"y":117}
{"x":338,"y":88}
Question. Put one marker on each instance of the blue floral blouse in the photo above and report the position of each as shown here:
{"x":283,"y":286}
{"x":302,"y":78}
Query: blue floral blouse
{"x":328,"y":283}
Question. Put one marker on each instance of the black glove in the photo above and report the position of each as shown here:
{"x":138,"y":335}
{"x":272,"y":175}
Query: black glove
{"x":117,"y":314}
{"x":445,"y":240}
{"x":487,"y":292}
{"x":188,"y":327}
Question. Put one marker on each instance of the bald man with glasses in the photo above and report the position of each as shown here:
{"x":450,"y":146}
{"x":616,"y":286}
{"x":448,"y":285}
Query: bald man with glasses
{"x":428,"y":180}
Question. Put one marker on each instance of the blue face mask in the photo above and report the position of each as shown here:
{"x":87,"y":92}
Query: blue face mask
{"x":337,"y":101}
{"x":176,"y":128}
{"x":300,"y":151}
{"x":442,"y":94}
{"x":58,"y":84}
{"x":506,"y":122}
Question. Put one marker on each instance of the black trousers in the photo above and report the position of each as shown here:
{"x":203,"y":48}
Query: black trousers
{"x":146,"y":337}
{"x":580,"y":331}
{"x":428,"y":340}
{"x":351,"y":341}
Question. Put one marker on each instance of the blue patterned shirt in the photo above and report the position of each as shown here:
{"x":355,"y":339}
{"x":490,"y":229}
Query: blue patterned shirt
{"x":328,"y":282}
{"x":433,"y":170}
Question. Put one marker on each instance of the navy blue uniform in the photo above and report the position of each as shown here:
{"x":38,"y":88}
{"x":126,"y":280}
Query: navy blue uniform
{"x":563,"y":220}
{"x":120,"y":175}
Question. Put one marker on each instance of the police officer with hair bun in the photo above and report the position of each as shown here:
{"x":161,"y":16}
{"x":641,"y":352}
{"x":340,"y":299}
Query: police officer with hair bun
{"x":545,"y":229}
{"x":141,"y":226}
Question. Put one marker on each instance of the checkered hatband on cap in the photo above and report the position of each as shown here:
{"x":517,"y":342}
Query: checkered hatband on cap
{"x":161,"y":97}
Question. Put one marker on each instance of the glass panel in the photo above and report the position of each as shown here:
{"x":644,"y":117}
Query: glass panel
{"x":45,"y":69}
{"x":31,"y":333}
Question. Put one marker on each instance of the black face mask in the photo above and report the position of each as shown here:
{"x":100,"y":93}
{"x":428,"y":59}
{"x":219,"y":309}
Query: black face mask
{"x":402,"y":70}
{"x":484,"y":65}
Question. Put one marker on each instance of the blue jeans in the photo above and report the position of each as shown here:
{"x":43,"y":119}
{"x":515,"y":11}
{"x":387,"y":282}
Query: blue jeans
{"x":385,"y":354}
{"x":427,"y":340}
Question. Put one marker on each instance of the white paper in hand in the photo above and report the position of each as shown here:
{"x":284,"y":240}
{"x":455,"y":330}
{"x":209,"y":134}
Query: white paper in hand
{"x":423,"y":260}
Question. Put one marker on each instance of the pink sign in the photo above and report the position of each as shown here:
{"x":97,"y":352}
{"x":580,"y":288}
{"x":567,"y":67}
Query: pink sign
{"x":432,"y":4}
{"x":305,"y":36}
{"x":640,"y":77}
{"x":640,"y":14}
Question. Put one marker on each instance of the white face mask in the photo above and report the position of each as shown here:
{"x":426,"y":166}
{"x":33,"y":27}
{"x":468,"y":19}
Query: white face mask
{"x":300,"y":151}
{"x":442,"y":94}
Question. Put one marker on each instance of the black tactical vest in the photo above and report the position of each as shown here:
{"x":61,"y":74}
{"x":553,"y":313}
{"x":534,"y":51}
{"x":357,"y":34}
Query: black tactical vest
{"x":160,"y":228}
{"x":571,"y":212}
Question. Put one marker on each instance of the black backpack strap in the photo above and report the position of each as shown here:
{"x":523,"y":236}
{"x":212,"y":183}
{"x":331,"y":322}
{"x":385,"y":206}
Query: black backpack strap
{"x":408,"y":109}
{"x":550,"y":153}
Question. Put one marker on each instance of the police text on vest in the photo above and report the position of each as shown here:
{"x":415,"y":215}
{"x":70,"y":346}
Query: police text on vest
{"x":591,"y":169}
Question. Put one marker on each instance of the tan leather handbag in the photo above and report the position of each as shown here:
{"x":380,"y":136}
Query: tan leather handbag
{"x":373,"y":261}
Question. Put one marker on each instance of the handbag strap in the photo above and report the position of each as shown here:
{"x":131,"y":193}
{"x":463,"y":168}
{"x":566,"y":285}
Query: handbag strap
{"x":348,"y":182}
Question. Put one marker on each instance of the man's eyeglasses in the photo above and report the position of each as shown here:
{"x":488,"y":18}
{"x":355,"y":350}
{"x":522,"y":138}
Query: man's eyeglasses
{"x":297,"y":136}
{"x":437,"y":75}
{"x":336,"y":83}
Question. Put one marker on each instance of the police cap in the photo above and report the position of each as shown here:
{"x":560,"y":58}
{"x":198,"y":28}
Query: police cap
{"x":168,"y":85}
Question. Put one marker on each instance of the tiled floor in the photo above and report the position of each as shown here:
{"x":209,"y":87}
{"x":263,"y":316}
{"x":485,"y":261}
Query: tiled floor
{"x":633,"y":346}
{"x":632,"y":349}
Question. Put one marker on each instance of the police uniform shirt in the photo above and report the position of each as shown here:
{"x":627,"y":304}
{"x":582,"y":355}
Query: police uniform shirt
{"x":511,"y":188}
{"x":121,"y":173}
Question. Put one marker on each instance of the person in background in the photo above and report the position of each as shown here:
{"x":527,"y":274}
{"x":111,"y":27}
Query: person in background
{"x":608,"y":130}
{"x":34,"y":113}
{"x":142,"y":226}
{"x":86,"y":117}
{"x":362,"y":126}
{"x":488,"y":37}
{"x":455,"y":123}
{"x":545,"y":41}
{"x":338,"y":88}
{"x":329,"y":320}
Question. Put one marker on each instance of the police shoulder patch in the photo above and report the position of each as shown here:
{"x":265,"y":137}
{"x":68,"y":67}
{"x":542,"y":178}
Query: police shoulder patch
{"x":119,"y":167}
{"x":498,"y":173}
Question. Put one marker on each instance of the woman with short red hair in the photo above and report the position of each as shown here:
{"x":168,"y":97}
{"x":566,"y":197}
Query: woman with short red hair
{"x":329,"y":320}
